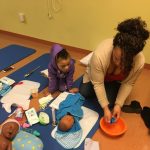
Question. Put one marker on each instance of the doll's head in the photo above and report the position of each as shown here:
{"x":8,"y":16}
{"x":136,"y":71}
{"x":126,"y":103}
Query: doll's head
{"x":10,"y":128}
{"x":66,"y":123}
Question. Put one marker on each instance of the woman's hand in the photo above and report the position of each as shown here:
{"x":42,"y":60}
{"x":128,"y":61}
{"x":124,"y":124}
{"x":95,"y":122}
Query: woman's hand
{"x":116,"y":111}
{"x":107,"y":114}
{"x":74,"y":90}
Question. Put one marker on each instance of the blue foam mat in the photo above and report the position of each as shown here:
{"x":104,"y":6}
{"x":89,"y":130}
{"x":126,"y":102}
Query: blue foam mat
{"x":13,"y":53}
{"x":18,"y":75}
{"x":45,"y":131}
{"x":36,"y":76}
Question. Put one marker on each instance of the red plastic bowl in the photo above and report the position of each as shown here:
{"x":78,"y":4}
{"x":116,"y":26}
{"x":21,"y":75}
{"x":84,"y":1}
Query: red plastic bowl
{"x":114,"y":129}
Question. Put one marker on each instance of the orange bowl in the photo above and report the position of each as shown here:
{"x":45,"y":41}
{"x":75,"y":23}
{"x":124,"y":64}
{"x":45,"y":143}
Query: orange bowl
{"x":117,"y":128}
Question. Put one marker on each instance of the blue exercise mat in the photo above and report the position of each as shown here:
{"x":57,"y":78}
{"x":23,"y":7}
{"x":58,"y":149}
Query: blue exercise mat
{"x":13,"y":53}
{"x":18,"y":75}
{"x":41,"y":62}
{"x":45,"y":131}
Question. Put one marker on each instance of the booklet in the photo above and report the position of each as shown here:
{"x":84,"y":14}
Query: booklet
{"x":32,"y":116}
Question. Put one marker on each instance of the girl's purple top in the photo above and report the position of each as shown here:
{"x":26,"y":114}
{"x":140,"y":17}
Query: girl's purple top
{"x":57,"y":79}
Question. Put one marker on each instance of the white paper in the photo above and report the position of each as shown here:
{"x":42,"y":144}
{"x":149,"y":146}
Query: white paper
{"x":90,"y":144}
{"x":58,"y":100}
{"x":85,"y":60}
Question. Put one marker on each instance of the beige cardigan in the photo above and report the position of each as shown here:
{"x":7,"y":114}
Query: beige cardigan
{"x":97,"y":69}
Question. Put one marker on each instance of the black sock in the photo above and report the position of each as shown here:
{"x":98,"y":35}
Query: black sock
{"x":134,"y":107}
{"x":145,"y":114}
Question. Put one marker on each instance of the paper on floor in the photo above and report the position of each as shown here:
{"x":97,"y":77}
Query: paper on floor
{"x":58,"y":100}
{"x":89,"y":144}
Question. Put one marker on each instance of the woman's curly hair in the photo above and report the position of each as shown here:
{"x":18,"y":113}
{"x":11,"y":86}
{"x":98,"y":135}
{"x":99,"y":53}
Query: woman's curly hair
{"x":131,"y":38}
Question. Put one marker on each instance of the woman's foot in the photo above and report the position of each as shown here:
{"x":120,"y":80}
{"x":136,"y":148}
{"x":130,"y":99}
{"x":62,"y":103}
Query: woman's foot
{"x":134,"y":107}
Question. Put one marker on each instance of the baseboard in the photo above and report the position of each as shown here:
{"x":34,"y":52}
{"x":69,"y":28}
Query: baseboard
{"x":83,"y":51}
{"x":147,"y":66}
{"x":71,"y":48}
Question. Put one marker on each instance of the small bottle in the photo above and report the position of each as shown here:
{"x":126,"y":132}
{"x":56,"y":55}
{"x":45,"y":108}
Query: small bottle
{"x":19,"y":113}
{"x":1,"y":86}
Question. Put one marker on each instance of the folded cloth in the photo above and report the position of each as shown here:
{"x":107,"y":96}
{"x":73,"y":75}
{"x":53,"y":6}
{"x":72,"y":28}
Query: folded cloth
{"x":145,"y":114}
{"x":72,"y":104}
{"x":134,"y":107}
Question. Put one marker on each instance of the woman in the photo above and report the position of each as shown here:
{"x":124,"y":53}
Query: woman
{"x":115,"y":66}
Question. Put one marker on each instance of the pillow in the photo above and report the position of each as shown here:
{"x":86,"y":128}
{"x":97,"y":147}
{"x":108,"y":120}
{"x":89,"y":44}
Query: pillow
{"x":26,"y":141}
{"x":85,"y":60}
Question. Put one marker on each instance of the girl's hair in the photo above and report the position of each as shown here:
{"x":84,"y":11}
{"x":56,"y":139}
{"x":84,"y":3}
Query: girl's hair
{"x":63,"y":54}
{"x":131,"y":38}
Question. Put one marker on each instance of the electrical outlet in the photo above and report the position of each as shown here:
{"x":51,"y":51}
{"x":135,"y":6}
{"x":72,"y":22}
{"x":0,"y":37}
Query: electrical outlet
{"x":21,"y":17}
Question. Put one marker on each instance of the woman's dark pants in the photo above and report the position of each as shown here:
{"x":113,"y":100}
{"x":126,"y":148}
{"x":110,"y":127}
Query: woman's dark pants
{"x":87,"y":90}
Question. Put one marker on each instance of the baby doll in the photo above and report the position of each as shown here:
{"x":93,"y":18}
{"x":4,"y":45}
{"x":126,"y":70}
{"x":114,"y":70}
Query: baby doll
{"x":8,"y":131}
{"x":66,"y":123}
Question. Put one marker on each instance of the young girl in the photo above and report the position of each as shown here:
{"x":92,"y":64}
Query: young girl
{"x":60,"y":71}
